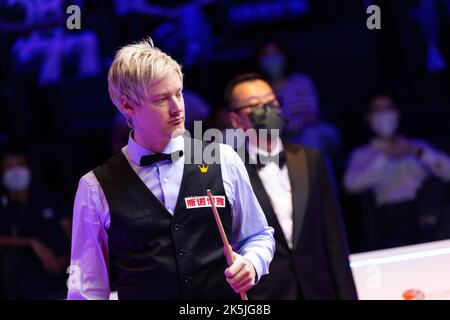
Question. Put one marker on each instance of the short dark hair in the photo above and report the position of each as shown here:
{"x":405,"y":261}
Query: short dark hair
{"x":246,"y":77}
{"x":14,"y":150}
{"x":282,"y":46}
{"x":378,"y":94}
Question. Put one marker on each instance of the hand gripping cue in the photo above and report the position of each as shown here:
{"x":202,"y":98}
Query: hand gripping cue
{"x":228,"y":251}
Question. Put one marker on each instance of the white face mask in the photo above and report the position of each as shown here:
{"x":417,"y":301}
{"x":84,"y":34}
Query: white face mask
{"x":17,"y":179}
{"x":384,"y":123}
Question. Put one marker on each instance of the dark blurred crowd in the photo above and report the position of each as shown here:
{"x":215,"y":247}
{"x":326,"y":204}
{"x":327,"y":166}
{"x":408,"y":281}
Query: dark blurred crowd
{"x":375,"y":103}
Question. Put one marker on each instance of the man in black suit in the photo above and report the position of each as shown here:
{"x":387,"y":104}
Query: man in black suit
{"x":295,"y":193}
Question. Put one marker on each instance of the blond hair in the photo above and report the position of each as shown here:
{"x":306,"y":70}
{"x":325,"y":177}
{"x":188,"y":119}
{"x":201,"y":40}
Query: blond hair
{"x":135,"y":68}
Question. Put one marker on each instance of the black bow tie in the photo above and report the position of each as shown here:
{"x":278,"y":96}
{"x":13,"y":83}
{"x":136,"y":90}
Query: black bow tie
{"x":263,"y":160}
{"x":157,"y":157}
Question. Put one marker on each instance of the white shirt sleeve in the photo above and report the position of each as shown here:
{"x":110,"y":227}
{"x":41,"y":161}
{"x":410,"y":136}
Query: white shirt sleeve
{"x":366,"y":167}
{"x":89,"y":276}
{"x":251,"y":236}
{"x":436,"y":161}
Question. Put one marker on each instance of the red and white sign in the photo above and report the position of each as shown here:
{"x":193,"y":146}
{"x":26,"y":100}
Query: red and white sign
{"x":203,"y":202}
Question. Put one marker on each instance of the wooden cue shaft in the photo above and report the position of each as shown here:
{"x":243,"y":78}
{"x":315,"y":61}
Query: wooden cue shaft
{"x":227,"y":248}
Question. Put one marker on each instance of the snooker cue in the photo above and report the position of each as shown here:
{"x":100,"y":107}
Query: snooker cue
{"x":227,"y":248}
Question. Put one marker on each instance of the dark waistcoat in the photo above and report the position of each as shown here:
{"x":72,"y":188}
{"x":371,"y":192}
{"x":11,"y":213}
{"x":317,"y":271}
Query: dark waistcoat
{"x":154,"y":254}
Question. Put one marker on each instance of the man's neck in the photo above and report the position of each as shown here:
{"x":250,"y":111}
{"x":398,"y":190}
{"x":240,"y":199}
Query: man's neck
{"x":152,"y":143}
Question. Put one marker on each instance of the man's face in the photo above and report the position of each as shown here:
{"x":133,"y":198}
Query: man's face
{"x":162,"y":114}
{"x":383,"y":117}
{"x":246,"y":96}
{"x":272,"y":61}
{"x":16,"y":175}
{"x":381,"y":105}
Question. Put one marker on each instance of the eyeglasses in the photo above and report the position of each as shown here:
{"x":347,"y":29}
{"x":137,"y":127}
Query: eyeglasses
{"x":274,"y":103}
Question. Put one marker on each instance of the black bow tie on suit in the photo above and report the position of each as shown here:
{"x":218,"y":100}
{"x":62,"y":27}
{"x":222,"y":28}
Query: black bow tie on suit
{"x":263,"y":160}
{"x":151,"y":159}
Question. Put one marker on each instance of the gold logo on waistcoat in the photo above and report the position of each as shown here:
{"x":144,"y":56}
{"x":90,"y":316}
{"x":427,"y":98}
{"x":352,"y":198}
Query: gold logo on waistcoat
{"x":203,"y":168}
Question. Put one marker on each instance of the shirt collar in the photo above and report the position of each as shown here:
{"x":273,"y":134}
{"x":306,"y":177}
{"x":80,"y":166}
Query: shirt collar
{"x":253,"y":150}
{"x":136,"y":151}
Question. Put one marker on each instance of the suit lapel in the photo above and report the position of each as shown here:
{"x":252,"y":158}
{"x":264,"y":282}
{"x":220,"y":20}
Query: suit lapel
{"x":298,"y":176}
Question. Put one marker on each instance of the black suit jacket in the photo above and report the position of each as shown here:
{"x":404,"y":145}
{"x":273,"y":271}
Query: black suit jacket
{"x":317,"y":267}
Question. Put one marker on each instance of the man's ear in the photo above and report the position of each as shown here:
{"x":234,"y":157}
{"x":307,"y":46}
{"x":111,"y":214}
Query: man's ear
{"x":235,"y":120}
{"x":128,"y":109}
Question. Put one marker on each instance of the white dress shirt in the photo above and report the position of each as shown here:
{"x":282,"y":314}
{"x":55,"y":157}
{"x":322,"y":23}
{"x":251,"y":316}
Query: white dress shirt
{"x":393,"y":180}
{"x":278,"y":186}
{"x":251,"y":236}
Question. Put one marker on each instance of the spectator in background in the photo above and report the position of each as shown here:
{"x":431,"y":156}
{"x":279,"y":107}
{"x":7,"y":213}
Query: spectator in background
{"x":296,"y":195}
{"x":46,"y":43}
{"x":299,"y":102}
{"x":34,"y":235}
{"x":394,"y":169}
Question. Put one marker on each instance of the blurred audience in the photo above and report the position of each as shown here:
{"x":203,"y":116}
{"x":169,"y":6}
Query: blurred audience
{"x":394,"y":169}
{"x":133,"y":17}
{"x":186,"y":33}
{"x":46,"y":45}
{"x":35,"y":231}
{"x":299,"y":102}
